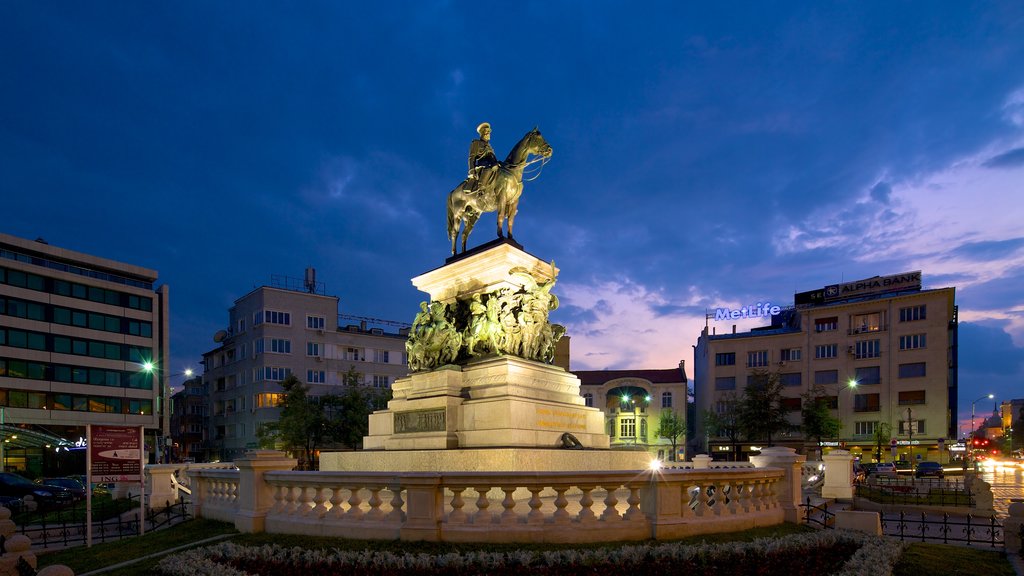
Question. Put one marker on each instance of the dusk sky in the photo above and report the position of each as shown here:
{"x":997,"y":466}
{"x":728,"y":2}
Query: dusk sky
{"x":704,"y":155}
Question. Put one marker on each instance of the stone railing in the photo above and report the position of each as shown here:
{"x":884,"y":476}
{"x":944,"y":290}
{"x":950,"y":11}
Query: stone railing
{"x":264,"y":494}
{"x":166,"y":482}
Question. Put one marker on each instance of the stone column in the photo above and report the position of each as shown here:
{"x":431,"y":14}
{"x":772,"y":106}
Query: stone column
{"x":1012,"y":534}
{"x":701,"y":462}
{"x":661,"y":501}
{"x":838,"y":475}
{"x":161,"y":485}
{"x":424,"y":504}
{"x":790,"y":492}
{"x":255,"y":497}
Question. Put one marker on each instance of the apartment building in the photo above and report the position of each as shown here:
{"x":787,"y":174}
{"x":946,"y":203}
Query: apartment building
{"x":883,"y":349}
{"x":289,"y":327}
{"x":75,"y":331}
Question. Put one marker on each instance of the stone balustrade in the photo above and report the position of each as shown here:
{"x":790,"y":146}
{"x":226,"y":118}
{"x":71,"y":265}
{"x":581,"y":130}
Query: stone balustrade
{"x":165,"y":481}
{"x":264,"y":494}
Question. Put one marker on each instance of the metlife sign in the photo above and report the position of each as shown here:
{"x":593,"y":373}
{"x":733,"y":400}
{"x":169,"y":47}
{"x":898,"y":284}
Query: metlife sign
{"x":759,"y":310}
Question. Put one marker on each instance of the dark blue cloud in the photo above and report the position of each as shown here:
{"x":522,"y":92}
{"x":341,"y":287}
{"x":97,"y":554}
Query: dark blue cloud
{"x":1011,"y":159}
{"x":990,"y":250}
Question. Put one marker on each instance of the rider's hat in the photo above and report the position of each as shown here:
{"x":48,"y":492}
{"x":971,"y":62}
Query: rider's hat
{"x":480,"y":128}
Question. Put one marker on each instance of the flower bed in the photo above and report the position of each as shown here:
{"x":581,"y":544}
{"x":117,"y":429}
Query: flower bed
{"x":826,"y":552}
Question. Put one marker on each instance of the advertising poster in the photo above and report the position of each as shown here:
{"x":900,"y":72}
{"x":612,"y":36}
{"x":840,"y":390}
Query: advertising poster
{"x":116,"y":454}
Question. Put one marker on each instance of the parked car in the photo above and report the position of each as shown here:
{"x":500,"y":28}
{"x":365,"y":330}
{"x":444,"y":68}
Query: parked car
{"x":887,"y":469}
{"x":12,"y":503}
{"x":72,"y":485}
{"x":12,"y":484}
{"x":929,"y":469}
{"x":904,"y":467}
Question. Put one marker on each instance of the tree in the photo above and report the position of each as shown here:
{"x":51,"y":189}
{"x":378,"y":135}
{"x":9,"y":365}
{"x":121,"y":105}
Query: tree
{"x":348,"y":412}
{"x":301,"y":426}
{"x":882,"y":435}
{"x":761,"y":414}
{"x":724,"y":422}
{"x":817,"y":417}
{"x":671,"y":425}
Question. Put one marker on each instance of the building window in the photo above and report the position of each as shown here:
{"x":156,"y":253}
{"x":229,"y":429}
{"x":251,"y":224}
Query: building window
{"x":789,"y":355}
{"x":867,"y":349}
{"x":380,"y":381}
{"x":913,"y":313}
{"x":315,"y":376}
{"x":281,"y":345}
{"x":826,"y":324}
{"x":271,"y":317}
{"x":588,"y":399}
{"x":757,"y":358}
{"x":868,"y":375}
{"x":268,"y":400}
{"x":913,"y":341}
{"x":666,"y":399}
{"x":312,"y":349}
{"x":865,"y":428}
{"x":725,"y":383}
{"x":353,"y":354}
{"x":725,"y":359}
{"x":791,"y":404}
{"x":826,"y":377}
{"x":380,"y":356}
{"x":627,"y":428}
{"x":911,"y":397}
{"x":913,"y":370}
{"x":860,"y":323}
{"x":826,"y":351}
{"x":866,"y":403}
{"x":917,"y":426}
{"x":315,"y":322}
{"x":272,"y":373}
{"x":791,"y":379}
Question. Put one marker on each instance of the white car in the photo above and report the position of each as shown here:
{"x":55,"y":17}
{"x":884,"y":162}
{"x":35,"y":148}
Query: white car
{"x":885,"y":469}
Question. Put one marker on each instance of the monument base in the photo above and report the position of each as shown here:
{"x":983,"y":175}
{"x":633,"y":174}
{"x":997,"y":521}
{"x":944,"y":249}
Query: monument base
{"x":485,"y":460}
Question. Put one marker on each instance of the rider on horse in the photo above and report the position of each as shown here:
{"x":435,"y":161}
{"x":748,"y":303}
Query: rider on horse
{"x":483,"y":164}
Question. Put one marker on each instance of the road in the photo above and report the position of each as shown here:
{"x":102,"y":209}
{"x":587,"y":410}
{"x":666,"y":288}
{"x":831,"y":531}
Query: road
{"x":1006,"y":483}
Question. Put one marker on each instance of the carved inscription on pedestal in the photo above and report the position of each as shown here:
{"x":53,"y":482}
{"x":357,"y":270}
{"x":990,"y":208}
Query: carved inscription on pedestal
{"x":420,"y":421}
{"x":559,"y":419}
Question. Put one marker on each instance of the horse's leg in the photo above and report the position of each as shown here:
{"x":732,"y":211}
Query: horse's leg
{"x":469,"y":223}
{"x":512,"y":208}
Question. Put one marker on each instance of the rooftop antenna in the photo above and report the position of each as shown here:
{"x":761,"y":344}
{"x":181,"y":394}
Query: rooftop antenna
{"x":311,"y":280}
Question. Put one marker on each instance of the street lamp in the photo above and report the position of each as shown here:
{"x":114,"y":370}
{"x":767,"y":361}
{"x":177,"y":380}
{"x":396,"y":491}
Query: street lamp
{"x":851,"y":384}
{"x":989,"y":396}
{"x":165,"y":399}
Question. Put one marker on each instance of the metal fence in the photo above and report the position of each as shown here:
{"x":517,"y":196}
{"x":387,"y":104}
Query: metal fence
{"x":67,"y":527}
{"x":986,"y":532}
{"x":907,"y":491}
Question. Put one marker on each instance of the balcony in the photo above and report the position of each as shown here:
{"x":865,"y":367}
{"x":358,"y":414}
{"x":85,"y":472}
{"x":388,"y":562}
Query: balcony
{"x":867,"y":329}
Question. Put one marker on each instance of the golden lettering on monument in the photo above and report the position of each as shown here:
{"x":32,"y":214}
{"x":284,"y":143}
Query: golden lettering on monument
{"x":557,"y":419}
{"x":420,"y":421}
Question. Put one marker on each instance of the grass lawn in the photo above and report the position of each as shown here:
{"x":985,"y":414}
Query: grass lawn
{"x":919,"y":558}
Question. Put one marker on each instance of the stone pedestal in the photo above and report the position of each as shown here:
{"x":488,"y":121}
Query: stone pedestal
{"x":838,"y":475}
{"x":790,"y":491}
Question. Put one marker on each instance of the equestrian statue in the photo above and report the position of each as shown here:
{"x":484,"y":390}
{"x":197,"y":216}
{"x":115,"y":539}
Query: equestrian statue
{"x":492,"y":185}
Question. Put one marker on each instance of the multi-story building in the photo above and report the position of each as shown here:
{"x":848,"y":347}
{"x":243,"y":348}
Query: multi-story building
{"x":190,"y":422}
{"x":633,"y":401}
{"x":75,"y":331}
{"x":883,"y":350}
{"x":1011,"y":413}
{"x":282,"y":329}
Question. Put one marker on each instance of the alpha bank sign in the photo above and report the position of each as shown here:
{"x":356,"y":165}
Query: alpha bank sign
{"x":759,"y":310}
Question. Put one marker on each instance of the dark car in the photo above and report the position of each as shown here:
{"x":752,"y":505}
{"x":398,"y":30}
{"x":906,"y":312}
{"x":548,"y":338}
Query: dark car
{"x":12,"y":484}
{"x":12,"y":503}
{"x":929,"y":469}
{"x":904,"y":467}
{"x":76,"y":488}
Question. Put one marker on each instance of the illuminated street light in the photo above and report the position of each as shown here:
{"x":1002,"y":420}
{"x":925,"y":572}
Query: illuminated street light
{"x":989,"y":396}
{"x":165,"y":400}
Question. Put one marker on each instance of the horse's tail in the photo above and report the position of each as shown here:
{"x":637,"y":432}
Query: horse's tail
{"x":451,"y":216}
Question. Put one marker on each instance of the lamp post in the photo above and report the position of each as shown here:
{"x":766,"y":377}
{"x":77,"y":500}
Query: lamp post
{"x":971,"y":444}
{"x":851,"y":384}
{"x":163,"y":451}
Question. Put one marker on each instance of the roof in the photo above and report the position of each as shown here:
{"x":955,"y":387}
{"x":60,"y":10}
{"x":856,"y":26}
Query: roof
{"x":599,"y":377}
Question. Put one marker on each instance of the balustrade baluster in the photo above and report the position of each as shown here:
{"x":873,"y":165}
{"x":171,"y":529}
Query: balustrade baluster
{"x":278,"y":501}
{"x":457,"y":515}
{"x":289,"y":500}
{"x":744,"y":496}
{"x":610,"y":503}
{"x":303,"y":501}
{"x":561,"y":515}
{"x":355,"y":510}
{"x":732,"y":502}
{"x":535,"y":516}
{"x":397,"y":513}
{"x":586,"y":515}
{"x":375,"y":512}
{"x":702,"y":508}
{"x":318,"y":509}
{"x":483,"y":515}
{"x":633,"y":513}
{"x":509,"y":516}
{"x":336,"y":500}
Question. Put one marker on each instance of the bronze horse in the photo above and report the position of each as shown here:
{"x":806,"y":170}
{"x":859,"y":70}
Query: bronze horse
{"x":466,"y":207}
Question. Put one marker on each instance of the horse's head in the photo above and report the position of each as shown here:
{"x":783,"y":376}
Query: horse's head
{"x":537,"y":145}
